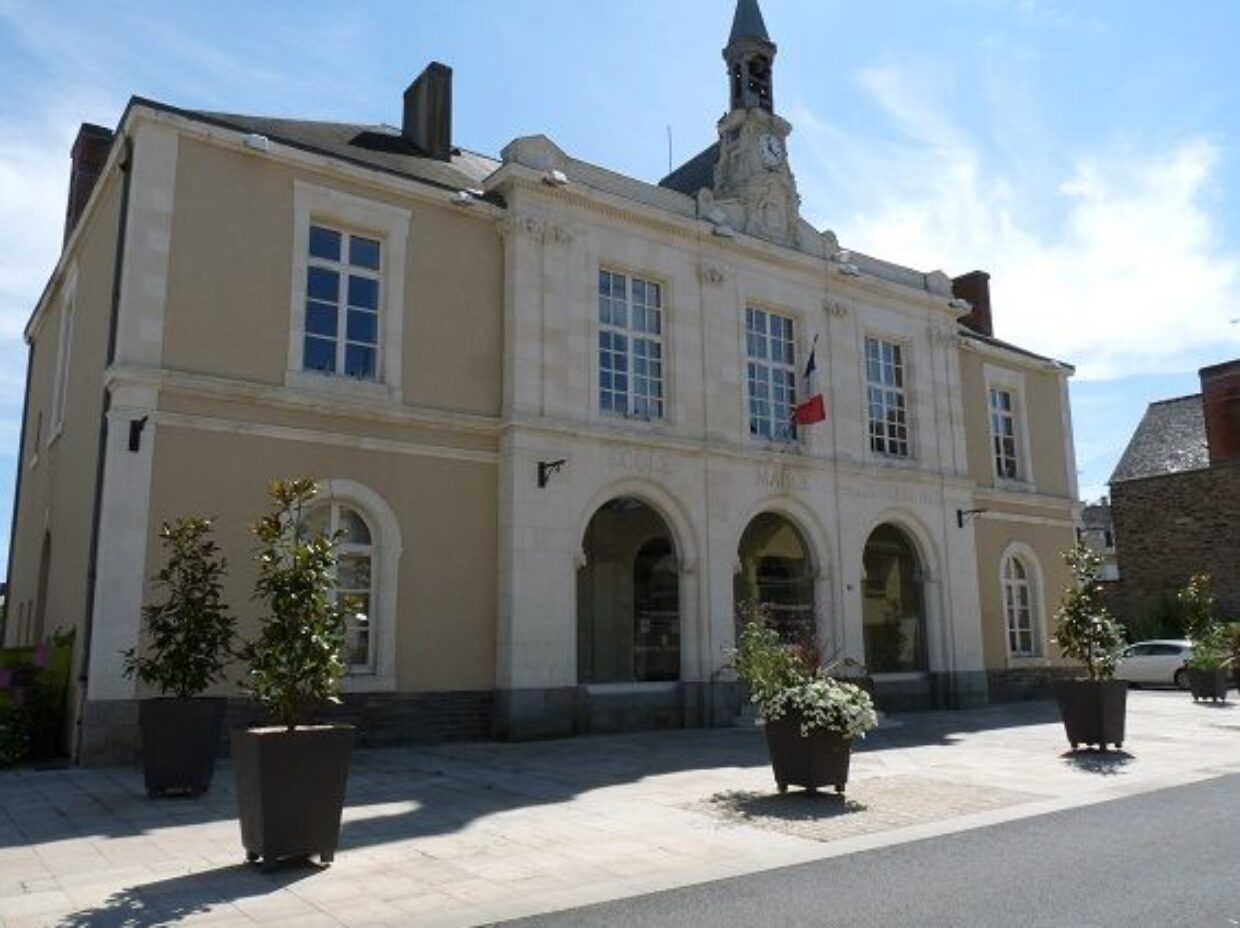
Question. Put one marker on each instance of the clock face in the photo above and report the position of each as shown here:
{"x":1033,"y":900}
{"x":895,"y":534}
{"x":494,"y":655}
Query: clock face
{"x":771,"y":150}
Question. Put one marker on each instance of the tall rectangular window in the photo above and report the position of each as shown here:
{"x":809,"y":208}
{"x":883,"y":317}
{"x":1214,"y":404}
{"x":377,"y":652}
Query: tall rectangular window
{"x":885,"y":396}
{"x":1003,"y":433}
{"x":64,"y":351}
{"x":342,"y":303}
{"x":772,"y":375}
{"x":630,"y":346}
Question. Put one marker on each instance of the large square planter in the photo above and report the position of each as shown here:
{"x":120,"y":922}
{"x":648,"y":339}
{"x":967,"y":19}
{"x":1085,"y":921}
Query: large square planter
{"x":1093,"y":711}
{"x":1208,"y":684}
{"x":180,"y":738}
{"x":812,"y":761}
{"x":290,"y":789}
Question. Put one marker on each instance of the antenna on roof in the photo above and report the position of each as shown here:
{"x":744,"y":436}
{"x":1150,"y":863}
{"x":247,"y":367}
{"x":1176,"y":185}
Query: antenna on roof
{"x":669,"y":148}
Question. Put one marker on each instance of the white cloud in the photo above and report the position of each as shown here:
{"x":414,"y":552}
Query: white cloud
{"x":1111,"y":261}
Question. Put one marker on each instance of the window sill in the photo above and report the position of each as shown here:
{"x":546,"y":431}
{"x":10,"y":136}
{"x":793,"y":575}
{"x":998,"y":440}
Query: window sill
{"x":365,"y":681}
{"x":343,"y":387}
{"x":1009,"y":485}
{"x":1019,"y":662}
{"x":622,"y":689}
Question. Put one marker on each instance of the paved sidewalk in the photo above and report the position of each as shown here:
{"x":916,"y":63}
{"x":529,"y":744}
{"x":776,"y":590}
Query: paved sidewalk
{"x":478,"y":833}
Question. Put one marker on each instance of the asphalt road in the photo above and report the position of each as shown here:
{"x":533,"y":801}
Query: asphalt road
{"x":1167,"y":858}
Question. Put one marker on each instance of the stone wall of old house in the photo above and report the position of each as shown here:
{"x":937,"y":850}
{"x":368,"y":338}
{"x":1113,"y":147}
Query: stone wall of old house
{"x":1170,"y":527}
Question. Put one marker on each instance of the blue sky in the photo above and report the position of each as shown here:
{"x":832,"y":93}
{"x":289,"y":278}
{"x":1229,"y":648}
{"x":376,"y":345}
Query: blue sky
{"x":1086,"y":154}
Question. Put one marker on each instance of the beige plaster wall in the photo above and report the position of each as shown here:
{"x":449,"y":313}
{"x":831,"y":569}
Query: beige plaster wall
{"x":1044,"y":419}
{"x":993,"y":536}
{"x":445,"y":508}
{"x":58,"y":479}
{"x":229,"y":290}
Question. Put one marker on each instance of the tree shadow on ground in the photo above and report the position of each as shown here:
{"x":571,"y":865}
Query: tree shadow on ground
{"x":167,"y":902}
{"x":1103,"y":763}
{"x":799,"y":806}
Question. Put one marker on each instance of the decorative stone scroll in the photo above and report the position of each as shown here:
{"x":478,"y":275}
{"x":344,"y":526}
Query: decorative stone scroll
{"x":710,"y":274}
{"x":837,"y":309}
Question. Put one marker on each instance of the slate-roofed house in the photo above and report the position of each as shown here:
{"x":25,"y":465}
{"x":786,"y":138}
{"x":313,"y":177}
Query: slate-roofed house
{"x":562,"y":414}
{"x":1175,"y":501}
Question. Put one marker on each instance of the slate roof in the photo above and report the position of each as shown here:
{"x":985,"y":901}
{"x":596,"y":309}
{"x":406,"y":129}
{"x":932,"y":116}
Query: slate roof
{"x":694,"y":174}
{"x":748,"y":23}
{"x":374,"y":146}
{"x":1170,"y":439}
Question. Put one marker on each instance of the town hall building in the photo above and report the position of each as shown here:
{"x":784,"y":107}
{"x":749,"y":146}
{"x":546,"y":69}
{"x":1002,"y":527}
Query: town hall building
{"x":569,"y":421}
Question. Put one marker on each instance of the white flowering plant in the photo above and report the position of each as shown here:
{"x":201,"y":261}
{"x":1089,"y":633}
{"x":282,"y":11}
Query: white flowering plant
{"x":787,"y":678}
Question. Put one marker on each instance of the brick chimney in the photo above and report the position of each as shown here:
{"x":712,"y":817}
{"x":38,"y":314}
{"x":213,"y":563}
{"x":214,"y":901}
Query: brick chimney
{"x":428,"y":112}
{"x":975,"y":287}
{"x":1220,"y":402}
{"x":89,"y":154}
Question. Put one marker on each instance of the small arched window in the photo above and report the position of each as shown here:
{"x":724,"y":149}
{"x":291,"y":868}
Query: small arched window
{"x":1018,"y":608}
{"x":355,"y":557}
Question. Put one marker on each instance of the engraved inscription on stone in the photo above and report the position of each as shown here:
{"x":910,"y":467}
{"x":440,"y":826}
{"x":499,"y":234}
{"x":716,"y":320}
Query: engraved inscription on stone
{"x":639,"y":461}
{"x":784,"y":479}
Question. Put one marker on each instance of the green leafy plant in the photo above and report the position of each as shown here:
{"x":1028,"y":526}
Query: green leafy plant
{"x":1212,"y":651}
{"x":785,"y":678}
{"x":294,"y":664}
{"x":189,"y":634}
{"x":1084,"y":629}
{"x":1201,"y":623}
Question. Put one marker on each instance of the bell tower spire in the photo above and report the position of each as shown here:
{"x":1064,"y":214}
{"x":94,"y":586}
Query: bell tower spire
{"x":754,"y":186}
{"x":750,"y":55}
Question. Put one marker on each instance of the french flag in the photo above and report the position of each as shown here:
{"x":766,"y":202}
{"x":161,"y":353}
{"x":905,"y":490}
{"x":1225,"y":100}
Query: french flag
{"x":814,"y":409}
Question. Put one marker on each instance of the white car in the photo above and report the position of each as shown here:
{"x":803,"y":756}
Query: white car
{"x":1158,"y":663}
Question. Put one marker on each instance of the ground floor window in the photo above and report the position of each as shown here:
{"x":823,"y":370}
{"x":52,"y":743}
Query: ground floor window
{"x":354,"y":578}
{"x":628,"y":597}
{"x":1018,"y":607}
{"x":893,"y":609}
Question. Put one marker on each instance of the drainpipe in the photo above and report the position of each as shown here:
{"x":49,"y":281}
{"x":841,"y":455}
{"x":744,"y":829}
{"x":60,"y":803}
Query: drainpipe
{"x":126,"y":166}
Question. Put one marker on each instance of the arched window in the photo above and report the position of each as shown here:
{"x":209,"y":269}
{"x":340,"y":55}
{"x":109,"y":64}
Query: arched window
{"x":1018,"y":608}
{"x":355,"y":583}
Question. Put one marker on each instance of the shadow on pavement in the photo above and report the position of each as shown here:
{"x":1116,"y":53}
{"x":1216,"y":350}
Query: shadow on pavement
{"x":1104,"y":763}
{"x":167,"y":902}
{"x":745,"y":805}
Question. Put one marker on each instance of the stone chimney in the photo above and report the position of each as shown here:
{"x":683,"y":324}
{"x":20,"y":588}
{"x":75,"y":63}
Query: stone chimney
{"x":975,"y":287}
{"x":1220,"y":402}
{"x":89,"y":154}
{"x":428,"y":112}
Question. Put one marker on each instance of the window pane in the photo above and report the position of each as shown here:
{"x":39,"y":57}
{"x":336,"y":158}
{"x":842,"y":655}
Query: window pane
{"x":359,"y":361}
{"x":356,"y":532}
{"x":363,"y":327}
{"x":320,"y":354}
{"x":321,"y":319}
{"x":324,"y":243}
{"x":322,"y":284}
{"x":364,"y":252}
{"x":364,"y":292}
{"x":353,"y":573}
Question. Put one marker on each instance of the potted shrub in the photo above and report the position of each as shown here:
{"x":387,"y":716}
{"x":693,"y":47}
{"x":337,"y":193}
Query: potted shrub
{"x":291,"y":776}
{"x":188,"y":639}
{"x":811,"y":719}
{"x":1207,"y":665}
{"x":1093,"y":708}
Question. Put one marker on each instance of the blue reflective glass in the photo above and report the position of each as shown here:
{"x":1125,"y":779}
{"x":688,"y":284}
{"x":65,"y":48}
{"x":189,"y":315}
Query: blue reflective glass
{"x":363,"y":327}
{"x":363,"y":292}
{"x":320,"y":354}
{"x":322,"y":284}
{"x":321,"y":319}
{"x":324,"y":243}
{"x":359,"y":361}
{"x":364,"y":252}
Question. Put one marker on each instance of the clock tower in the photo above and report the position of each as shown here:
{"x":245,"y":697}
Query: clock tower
{"x":753,"y":183}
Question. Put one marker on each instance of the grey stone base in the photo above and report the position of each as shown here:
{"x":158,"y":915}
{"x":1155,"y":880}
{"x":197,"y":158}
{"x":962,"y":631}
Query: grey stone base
{"x":961,"y":690}
{"x":1028,"y":683}
{"x":528,"y":714}
{"x":110,"y":732}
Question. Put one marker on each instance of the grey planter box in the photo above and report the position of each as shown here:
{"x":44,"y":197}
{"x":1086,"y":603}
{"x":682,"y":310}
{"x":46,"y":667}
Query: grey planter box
{"x":818,"y":759}
{"x":1208,"y":684}
{"x":1094,"y":711}
{"x":180,"y":738}
{"x":290,"y":789}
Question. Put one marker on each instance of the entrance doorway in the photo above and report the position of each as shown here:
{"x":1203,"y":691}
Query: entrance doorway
{"x":628,"y":597}
{"x":893,"y":604}
{"x":777,"y":572}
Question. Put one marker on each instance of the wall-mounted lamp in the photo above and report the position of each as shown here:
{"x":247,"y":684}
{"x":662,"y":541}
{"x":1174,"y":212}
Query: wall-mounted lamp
{"x":554,"y":178}
{"x":964,"y":515}
{"x":547,"y":468}
{"x":256,"y":142}
{"x":462,"y":198}
{"x":135,"y":433}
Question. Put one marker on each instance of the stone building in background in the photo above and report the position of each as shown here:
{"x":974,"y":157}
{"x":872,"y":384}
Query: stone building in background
{"x":1175,"y":502}
{"x":567,"y":419}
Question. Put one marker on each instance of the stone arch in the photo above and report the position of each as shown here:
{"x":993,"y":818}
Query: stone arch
{"x":658,"y":499}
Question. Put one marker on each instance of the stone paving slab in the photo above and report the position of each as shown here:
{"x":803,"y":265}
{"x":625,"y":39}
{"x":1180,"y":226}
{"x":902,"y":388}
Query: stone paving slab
{"x":477,"y":833}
